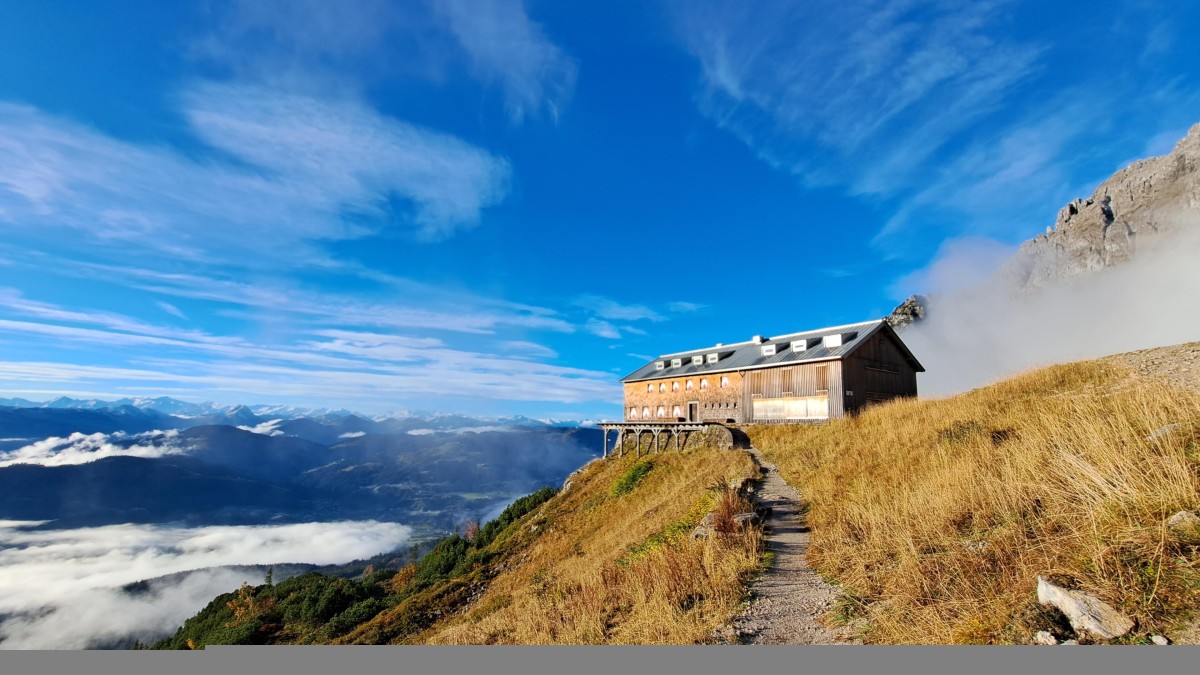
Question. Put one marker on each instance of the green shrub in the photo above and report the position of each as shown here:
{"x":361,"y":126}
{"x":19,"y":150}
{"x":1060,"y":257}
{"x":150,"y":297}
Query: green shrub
{"x":630,"y":479}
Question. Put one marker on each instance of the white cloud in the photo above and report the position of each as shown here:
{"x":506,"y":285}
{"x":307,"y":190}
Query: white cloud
{"x":529,"y":349}
{"x":268,"y":428}
{"x":821,"y":93}
{"x":170,"y":309}
{"x":292,"y":159}
{"x":81,"y":448}
{"x":353,"y":434}
{"x":607,"y":308}
{"x":63,"y":585}
{"x":307,"y":43}
{"x":604,"y":329}
{"x":505,"y":46}
{"x":683,"y":307}
{"x":960,"y":264}
{"x":943,"y":115}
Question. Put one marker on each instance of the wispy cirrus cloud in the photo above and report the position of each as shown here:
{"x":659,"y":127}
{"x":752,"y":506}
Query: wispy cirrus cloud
{"x":950,"y":118}
{"x":287,"y":170}
{"x":818,"y":93}
{"x":308,"y":45}
{"x":505,"y":46}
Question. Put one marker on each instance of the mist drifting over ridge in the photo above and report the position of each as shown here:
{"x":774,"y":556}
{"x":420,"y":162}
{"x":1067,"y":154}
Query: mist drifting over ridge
{"x":1118,"y":272}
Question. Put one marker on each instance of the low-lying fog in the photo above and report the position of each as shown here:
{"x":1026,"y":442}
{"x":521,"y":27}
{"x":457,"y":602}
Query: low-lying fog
{"x":61,"y":589}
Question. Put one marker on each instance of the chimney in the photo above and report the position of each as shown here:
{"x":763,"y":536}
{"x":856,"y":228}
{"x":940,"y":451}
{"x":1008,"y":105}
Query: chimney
{"x":757,"y":339}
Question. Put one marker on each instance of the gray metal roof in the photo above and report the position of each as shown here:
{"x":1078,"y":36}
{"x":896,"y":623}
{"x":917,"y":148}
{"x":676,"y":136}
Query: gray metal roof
{"x":747,"y":355}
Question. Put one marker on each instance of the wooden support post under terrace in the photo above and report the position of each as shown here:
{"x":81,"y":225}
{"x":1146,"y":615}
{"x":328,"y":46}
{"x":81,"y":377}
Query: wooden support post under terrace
{"x":679,"y":431}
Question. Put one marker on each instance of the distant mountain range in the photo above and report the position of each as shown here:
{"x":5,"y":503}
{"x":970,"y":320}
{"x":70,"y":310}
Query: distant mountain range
{"x":250,"y":415}
{"x":82,"y":463}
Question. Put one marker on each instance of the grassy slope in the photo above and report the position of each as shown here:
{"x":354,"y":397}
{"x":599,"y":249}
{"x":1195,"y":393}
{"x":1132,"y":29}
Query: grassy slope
{"x":608,"y":561}
{"x":937,"y":516}
{"x":613,"y":563}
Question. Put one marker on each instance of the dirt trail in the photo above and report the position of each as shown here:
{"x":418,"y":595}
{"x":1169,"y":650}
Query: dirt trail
{"x":787,"y":599}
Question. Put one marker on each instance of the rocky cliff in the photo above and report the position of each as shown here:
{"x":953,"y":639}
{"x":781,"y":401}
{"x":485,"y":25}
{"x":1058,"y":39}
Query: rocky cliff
{"x":1145,"y":205}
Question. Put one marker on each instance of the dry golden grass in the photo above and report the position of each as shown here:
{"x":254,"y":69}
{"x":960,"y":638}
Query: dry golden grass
{"x":608,"y":567}
{"x":937,"y":516}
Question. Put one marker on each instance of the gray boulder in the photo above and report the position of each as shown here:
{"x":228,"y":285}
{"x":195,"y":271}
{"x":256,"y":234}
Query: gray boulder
{"x":1185,"y":527}
{"x":1043,"y":637}
{"x":1087,"y":614}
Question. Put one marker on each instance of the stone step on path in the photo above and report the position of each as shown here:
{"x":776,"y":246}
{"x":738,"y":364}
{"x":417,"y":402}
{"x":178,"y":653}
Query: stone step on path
{"x":787,"y":599}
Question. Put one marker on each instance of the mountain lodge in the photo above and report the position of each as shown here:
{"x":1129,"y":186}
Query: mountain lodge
{"x":811,"y":376}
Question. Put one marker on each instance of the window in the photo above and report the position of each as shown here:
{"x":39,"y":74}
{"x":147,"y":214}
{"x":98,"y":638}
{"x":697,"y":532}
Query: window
{"x":646,"y":413}
{"x":675,"y":363}
{"x":832,"y":341}
{"x":662,"y":386}
{"x":799,"y":345}
{"x":650,"y":388}
{"x":768,"y":350}
{"x":713,"y":358}
{"x":704,"y":383}
{"x":660,"y":365}
{"x":724,"y":381}
{"x":688,"y":385}
{"x":822,"y":378}
{"x":697,"y":360}
{"x":662,"y":412}
{"x":674,"y":386}
{"x":633,"y":413}
{"x":676,"y":412}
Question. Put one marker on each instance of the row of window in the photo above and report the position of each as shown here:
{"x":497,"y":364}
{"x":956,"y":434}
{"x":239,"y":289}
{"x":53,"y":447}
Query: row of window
{"x":661,"y":411}
{"x":676,"y":411}
{"x":662,"y":386}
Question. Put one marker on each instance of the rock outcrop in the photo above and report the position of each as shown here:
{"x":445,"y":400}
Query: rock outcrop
{"x":908,"y":312}
{"x":1139,"y":207}
{"x":1087,"y":614}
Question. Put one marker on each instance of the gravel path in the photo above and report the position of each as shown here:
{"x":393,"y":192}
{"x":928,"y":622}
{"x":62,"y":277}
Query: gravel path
{"x":787,"y":599}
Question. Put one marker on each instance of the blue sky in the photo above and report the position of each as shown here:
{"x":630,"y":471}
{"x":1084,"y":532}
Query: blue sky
{"x":499,"y":207}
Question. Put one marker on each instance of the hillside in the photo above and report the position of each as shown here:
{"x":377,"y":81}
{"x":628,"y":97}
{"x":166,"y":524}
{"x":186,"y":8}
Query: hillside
{"x":608,"y":560}
{"x":937,"y":516}
{"x":934,"y":517}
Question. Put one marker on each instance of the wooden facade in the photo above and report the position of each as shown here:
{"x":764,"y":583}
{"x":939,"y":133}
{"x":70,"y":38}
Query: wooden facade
{"x":863,"y":364}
